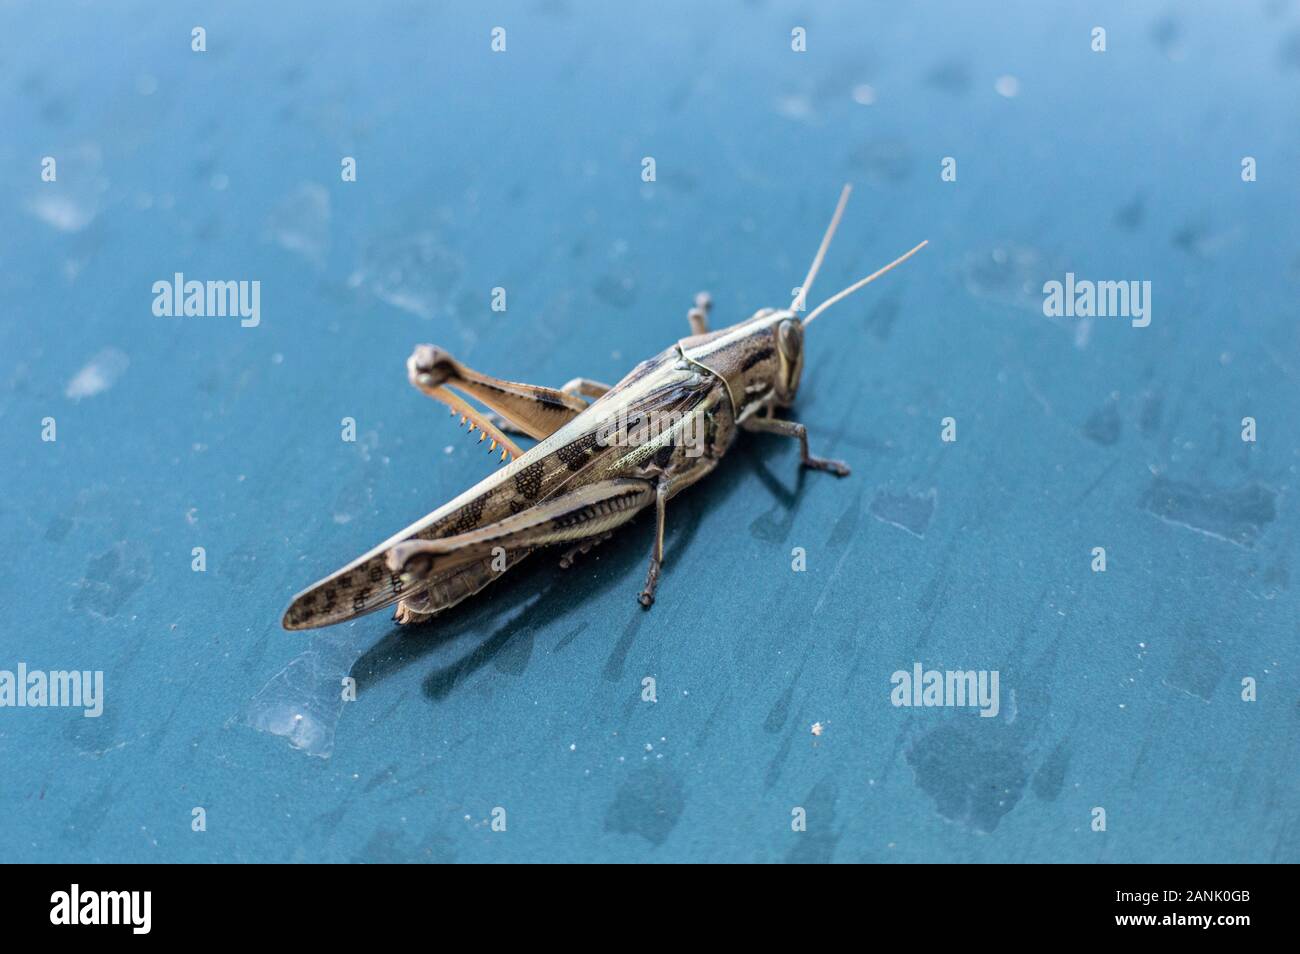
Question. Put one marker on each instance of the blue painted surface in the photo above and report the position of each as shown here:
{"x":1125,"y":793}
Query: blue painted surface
{"x":522,"y":170}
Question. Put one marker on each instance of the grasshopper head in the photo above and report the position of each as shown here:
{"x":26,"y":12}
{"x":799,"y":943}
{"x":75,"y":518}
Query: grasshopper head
{"x":789,"y":353}
{"x":761,"y":359}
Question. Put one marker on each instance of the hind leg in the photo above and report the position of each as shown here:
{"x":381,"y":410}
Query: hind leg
{"x":582,"y":546}
{"x":579,"y":515}
{"x":415,"y":608}
{"x":585,"y":387}
{"x":528,"y":408}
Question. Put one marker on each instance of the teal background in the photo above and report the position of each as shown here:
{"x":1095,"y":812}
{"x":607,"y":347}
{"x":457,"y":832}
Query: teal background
{"x":522,"y":170}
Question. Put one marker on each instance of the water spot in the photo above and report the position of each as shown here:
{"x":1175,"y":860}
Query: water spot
{"x":1150,"y":414}
{"x":1190,"y":238}
{"x":619,"y":290}
{"x":1103,"y":426}
{"x":908,"y":511}
{"x":300,"y":222}
{"x":649,"y":803}
{"x":794,"y":106}
{"x":56,"y":110}
{"x":1198,"y":668}
{"x":972,"y":782}
{"x":950,"y":76}
{"x":880,"y":319}
{"x":1008,"y":274}
{"x":864,"y":94}
{"x":1167,"y":34}
{"x":390,"y":847}
{"x":1276,"y":578}
{"x":239,"y":565}
{"x":89,"y":814}
{"x":383,"y":776}
{"x":414,"y":272}
{"x":355,"y":497}
{"x":111,"y":578}
{"x":1239,"y":515}
{"x":93,"y":736}
{"x":62,"y":212}
{"x":1288,"y":52}
{"x":1050,"y":777}
{"x":303,"y":702}
{"x":1129,"y":216}
{"x":885,"y":160}
{"x":1197,"y":239}
{"x":679,"y":181}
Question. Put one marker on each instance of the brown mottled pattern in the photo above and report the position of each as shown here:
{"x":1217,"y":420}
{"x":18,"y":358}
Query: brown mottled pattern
{"x":468,"y":516}
{"x":576,"y":454}
{"x":529,"y":480}
{"x":548,"y":469}
{"x":758,"y":356}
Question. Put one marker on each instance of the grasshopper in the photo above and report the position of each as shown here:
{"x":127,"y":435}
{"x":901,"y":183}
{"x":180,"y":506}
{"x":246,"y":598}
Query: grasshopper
{"x":575,"y":486}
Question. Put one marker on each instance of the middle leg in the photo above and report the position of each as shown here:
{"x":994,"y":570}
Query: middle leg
{"x":647,"y":596}
{"x":772,"y":425}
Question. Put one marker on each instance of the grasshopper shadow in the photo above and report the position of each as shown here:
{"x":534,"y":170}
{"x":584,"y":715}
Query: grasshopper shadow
{"x":537,"y":593}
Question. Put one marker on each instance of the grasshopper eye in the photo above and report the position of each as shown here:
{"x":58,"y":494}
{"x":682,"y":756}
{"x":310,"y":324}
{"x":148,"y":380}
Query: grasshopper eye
{"x":789,"y":337}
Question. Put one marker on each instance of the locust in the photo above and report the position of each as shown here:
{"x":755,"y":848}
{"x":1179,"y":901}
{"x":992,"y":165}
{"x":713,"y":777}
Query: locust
{"x":576,"y":485}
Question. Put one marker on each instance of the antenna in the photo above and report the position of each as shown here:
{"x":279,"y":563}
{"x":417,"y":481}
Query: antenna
{"x":840,"y":296}
{"x":802,"y":297}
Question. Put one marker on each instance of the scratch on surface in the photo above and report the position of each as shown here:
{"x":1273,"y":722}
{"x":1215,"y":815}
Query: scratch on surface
{"x":1239,"y":516}
{"x":1097,"y":482}
{"x":1037,"y":395}
{"x":907,"y":511}
{"x":830,"y":583}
